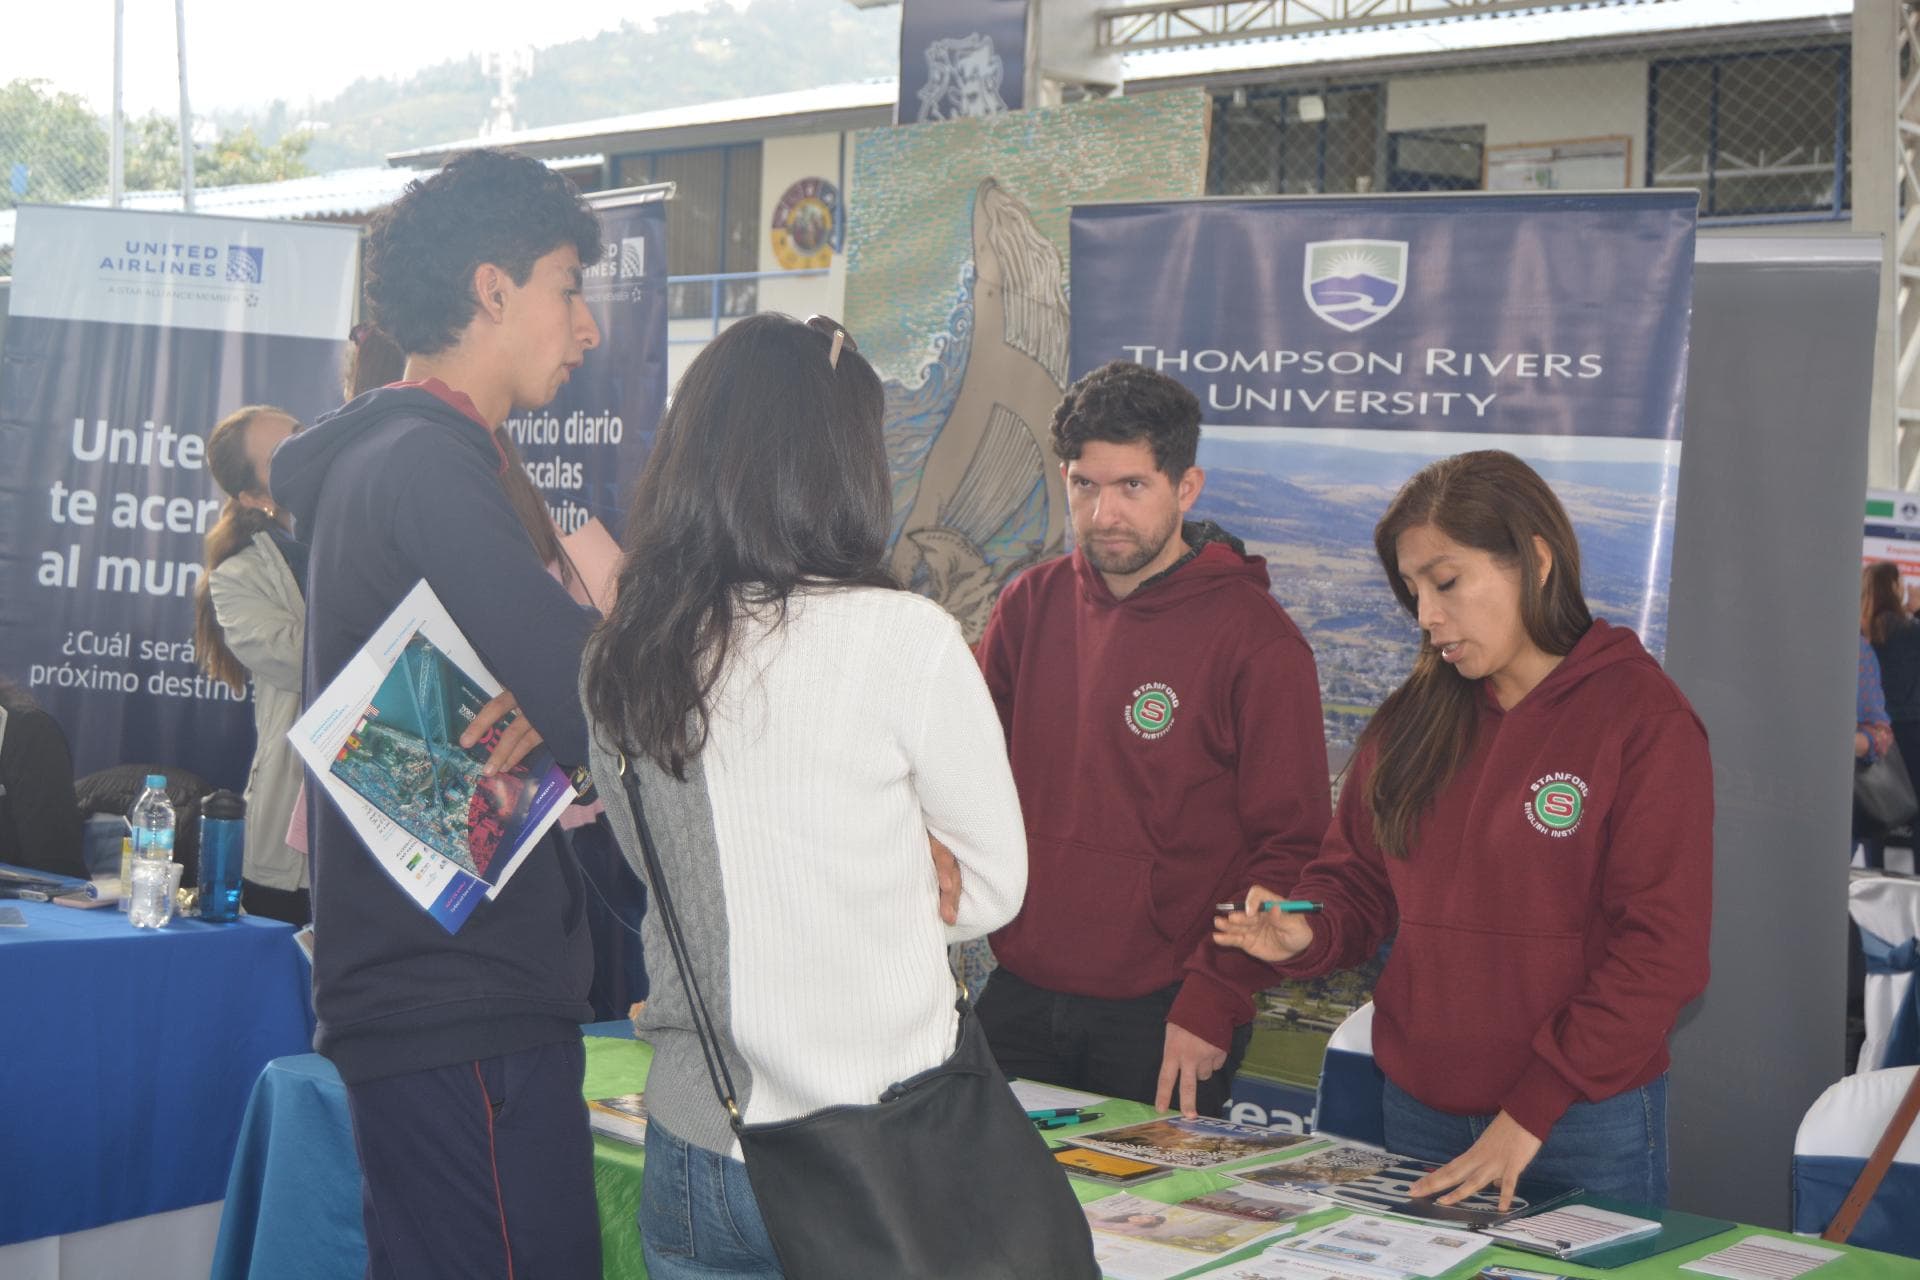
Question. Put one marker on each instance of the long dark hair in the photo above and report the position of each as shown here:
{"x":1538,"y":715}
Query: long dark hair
{"x":1882,"y":600}
{"x":769,"y":473}
{"x":1496,"y":503}
{"x":233,"y":472}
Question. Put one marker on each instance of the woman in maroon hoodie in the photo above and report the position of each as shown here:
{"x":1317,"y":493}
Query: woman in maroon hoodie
{"x":1530,"y":817}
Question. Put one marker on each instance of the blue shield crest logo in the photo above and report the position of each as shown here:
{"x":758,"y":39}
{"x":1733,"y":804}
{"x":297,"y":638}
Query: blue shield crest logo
{"x":1352,"y":283}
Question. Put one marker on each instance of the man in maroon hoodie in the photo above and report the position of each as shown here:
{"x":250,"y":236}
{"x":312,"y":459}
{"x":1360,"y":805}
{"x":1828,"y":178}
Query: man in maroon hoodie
{"x":1163,"y":717}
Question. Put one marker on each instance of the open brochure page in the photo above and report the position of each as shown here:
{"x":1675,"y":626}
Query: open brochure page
{"x":1399,"y":1248}
{"x":1140,"y":1239}
{"x":383,"y":741}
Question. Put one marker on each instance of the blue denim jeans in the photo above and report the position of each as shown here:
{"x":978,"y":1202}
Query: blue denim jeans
{"x":1616,"y":1148}
{"x":698,"y":1217}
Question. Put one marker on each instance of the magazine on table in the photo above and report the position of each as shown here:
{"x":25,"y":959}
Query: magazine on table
{"x":383,"y":739}
{"x":1139,"y":1239}
{"x":622,"y":1118}
{"x":1104,"y":1166}
{"x":1389,"y":1189}
{"x":1199,"y":1143}
{"x":1320,"y":1169}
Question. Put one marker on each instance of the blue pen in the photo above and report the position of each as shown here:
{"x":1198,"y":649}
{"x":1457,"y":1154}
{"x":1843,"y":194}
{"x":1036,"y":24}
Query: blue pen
{"x":1054,"y":1113}
{"x":1063,"y":1122}
{"x":1291,"y":907}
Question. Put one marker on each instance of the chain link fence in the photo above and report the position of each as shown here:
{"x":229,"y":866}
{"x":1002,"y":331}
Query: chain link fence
{"x":1758,"y":128}
{"x":53,"y":149}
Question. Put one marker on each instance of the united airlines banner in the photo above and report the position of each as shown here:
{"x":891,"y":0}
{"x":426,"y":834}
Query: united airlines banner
{"x":129,"y":335}
{"x":585,"y":450}
{"x":1338,"y":345}
{"x":961,"y":58}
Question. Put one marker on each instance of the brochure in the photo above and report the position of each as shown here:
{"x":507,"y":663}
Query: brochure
{"x":1404,"y":1248}
{"x":1281,"y":1264}
{"x":1139,"y":1239}
{"x":383,"y":740}
{"x":1762,"y":1258}
{"x":1200,"y":1143}
{"x":1320,"y":1170}
{"x":1259,"y":1204}
{"x":622,"y":1118}
{"x":1035,"y":1096}
{"x":1389,"y":1189}
{"x":1573,"y":1230}
{"x":1104,"y":1167}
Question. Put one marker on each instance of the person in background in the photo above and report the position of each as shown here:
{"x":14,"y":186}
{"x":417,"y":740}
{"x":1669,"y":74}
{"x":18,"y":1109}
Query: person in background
{"x":1872,"y":735}
{"x":373,"y":360}
{"x":1530,"y":817}
{"x":250,"y":619}
{"x":460,"y":1052}
{"x":798,"y":726}
{"x":40,"y":819}
{"x":1895,"y":636}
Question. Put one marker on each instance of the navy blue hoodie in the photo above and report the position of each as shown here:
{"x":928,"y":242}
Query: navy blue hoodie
{"x":394,"y":487}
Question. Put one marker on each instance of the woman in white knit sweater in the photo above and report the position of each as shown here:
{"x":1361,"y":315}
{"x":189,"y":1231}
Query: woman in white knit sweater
{"x":800,"y":727}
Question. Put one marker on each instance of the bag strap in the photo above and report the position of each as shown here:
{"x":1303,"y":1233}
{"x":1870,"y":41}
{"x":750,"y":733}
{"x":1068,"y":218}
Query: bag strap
{"x":1876,"y":1168}
{"x":702,"y":1020}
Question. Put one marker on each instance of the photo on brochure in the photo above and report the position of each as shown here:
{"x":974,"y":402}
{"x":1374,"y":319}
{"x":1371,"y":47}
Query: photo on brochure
{"x":1200,"y":1143}
{"x":1402,"y":1248}
{"x":1259,"y":1204}
{"x":1322,"y":1170}
{"x":1139,"y":1239}
{"x":404,"y":756}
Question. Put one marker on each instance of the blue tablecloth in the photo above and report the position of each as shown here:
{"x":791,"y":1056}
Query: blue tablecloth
{"x":126,"y":1058}
{"x":293,"y":1202}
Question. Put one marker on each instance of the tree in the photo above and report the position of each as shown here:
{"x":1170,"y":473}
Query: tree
{"x":52,"y":148}
{"x":233,"y":157}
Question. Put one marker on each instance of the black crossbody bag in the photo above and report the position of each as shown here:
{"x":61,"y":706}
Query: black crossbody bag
{"x":943,"y":1178}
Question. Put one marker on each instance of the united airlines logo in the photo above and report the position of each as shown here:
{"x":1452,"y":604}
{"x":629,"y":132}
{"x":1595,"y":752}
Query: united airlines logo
{"x":245,"y":265}
{"x":1352,"y":283}
{"x":633,"y":257}
{"x":1555,"y":803}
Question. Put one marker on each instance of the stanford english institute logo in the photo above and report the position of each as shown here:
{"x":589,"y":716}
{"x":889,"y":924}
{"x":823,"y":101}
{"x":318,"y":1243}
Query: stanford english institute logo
{"x":1555,"y":804}
{"x":1352,"y":283}
{"x":1150,"y":714}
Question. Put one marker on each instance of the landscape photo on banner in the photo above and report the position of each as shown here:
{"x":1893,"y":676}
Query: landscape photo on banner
{"x":1338,"y":345}
{"x":130,"y":335}
{"x":957,"y":292}
{"x":585,"y":450}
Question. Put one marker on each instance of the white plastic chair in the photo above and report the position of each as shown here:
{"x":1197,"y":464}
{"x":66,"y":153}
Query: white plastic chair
{"x":1838,"y":1133}
{"x":1887,"y":911}
{"x":1348,"y":1103}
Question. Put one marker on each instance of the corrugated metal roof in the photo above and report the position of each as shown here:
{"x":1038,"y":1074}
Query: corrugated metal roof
{"x":1476,"y":33}
{"x":858,"y":96}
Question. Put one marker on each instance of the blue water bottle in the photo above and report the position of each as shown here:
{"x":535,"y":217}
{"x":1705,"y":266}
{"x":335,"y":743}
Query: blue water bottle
{"x":223,"y":843}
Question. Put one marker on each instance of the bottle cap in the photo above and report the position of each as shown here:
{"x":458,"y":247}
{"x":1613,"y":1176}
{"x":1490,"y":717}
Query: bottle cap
{"x":158,"y":781}
{"x":222,"y":805}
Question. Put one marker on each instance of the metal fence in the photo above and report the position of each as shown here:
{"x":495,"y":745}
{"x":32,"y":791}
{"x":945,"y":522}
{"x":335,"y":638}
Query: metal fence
{"x":1758,"y":127}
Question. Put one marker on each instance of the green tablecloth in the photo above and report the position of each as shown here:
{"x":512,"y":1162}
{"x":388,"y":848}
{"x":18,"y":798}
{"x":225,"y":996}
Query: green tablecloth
{"x":620,"y":1066}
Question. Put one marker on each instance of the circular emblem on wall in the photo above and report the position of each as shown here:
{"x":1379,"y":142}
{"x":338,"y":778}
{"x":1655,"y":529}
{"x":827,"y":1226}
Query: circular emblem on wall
{"x":1555,"y":803}
{"x":1150,"y":714}
{"x":806,"y":225}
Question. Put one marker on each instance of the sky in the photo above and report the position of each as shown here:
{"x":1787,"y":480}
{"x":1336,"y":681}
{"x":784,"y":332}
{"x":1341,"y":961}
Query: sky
{"x":245,"y":53}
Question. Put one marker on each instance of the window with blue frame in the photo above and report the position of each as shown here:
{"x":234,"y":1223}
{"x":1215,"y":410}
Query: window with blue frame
{"x":1758,"y":134}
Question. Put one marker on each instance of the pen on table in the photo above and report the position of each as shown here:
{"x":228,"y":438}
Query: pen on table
{"x":1055,"y":1113}
{"x":1289,"y":905}
{"x":1063,"y":1122}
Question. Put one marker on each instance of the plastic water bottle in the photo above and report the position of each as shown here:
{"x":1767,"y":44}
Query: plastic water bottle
{"x":152,"y":820}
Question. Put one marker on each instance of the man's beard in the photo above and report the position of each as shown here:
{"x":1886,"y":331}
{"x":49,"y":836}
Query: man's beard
{"x":1121,"y":560}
